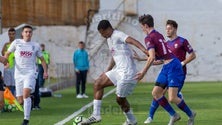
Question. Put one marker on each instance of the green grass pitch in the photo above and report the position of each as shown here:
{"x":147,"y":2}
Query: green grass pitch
{"x":203,"y":97}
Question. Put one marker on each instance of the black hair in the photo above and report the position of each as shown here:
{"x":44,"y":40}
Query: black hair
{"x":11,"y":30}
{"x":147,"y":19}
{"x":81,"y":42}
{"x":27,"y":26}
{"x":42,"y":45}
{"x":104,"y":24}
{"x":173,"y":23}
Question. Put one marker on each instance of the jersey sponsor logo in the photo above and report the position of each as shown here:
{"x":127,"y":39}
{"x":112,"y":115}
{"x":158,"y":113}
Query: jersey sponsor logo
{"x":112,"y":51}
{"x":26,"y":54}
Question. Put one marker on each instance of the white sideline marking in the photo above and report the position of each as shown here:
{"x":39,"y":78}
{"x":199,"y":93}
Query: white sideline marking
{"x":81,"y":110}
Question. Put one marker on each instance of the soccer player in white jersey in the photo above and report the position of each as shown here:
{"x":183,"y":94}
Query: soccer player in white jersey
{"x":26,"y":51}
{"x":124,"y":75}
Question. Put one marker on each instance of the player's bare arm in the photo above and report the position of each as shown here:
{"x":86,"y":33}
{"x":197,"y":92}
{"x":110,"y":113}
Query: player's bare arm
{"x":44,"y":65}
{"x":3,"y":60}
{"x":7,"y":54}
{"x":137,"y":57}
{"x":136,"y":43}
{"x":150,"y":58}
{"x":111,"y":65}
{"x":149,"y":62}
{"x":4,"y":49}
{"x":190,"y":57}
{"x":6,"y":57}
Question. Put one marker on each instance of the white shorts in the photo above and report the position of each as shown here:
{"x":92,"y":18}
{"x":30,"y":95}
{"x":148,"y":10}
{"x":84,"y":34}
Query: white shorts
{"x":24,"y":82}
{"x":124,"y":87}
{"x":9,"y":79}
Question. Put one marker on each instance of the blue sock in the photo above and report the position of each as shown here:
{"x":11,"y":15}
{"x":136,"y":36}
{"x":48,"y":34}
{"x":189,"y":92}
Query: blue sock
{"x":153,"y":108}
{"x":183,"y":106}
{"x":165,"y":104}
{"x":180,"y":95}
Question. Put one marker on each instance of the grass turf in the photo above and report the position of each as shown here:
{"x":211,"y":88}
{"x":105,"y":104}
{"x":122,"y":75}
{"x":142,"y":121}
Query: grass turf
{"x":203,"y":97}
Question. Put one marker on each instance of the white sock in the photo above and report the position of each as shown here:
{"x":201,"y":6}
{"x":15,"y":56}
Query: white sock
{"x":129,"y":115}
{"x":27,"y":107}
{"x":96,"y":107}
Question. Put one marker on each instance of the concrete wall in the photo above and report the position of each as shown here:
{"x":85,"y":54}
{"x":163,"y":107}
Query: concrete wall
{"x":199,"y":22}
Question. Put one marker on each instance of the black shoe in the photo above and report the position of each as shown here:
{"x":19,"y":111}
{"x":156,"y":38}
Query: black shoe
{"x":36,"y":108}
{"x":25,"y":122}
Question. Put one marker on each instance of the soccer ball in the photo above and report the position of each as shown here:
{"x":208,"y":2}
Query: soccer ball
{"x":78,"y":119}
{"x":9,"y":108}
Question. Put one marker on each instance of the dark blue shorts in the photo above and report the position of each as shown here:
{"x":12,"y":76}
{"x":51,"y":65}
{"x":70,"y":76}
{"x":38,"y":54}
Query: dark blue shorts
{"x":171,"y":75}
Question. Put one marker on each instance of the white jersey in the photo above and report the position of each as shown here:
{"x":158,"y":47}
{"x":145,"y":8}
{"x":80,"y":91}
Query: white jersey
{"x":25,"y":56}
{"x":122,"y":55}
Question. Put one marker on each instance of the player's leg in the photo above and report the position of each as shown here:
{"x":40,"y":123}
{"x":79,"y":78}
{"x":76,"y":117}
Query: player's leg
{"x":29,"y":87}
{"x":125,"y":88}
{"x":153,"y":107}
{"x":27,"y":105}
{"x":161,"y":99}
{"x":125,"y":106}
{"x":19,"y":90}
{"x":173,"y":98}
{"x":99,"y":85}
{"x":175,"y":83}
{"x":161,"y":84}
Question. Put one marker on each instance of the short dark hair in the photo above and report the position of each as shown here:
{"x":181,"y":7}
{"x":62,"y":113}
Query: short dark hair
{"x":104,"y":24}
{"x":11,"y":29}
{"x":81,"y":42}
{"x":27,"y":26}
{"x":146,"y":19}
{"x":173,"y":23}
{"x":42,"y":45}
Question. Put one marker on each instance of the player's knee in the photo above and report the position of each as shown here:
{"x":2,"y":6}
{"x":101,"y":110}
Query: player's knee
{"x":97,"y":84}
{"x":172,"y":99}
{"x":156,"y":95}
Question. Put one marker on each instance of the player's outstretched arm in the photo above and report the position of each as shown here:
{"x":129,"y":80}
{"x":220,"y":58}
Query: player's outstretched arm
{"x":137,"y":44}
{"x":137,"y":57}
{"x":150,"y":56}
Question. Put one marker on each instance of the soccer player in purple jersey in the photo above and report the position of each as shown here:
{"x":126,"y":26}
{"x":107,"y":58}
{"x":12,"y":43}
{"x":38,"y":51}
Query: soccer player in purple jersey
{"x":179,"y":47}
{"x":171,"y":75}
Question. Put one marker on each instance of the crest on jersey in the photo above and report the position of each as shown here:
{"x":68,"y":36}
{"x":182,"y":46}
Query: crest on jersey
{"x":148,"y":43}
{"x":176,"y":45}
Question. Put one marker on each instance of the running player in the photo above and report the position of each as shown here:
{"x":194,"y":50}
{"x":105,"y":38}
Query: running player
{"x":171,"y":75}
{"x":179,"y":47}
{"x":26,"y":51}
{"x":123,"y":75}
